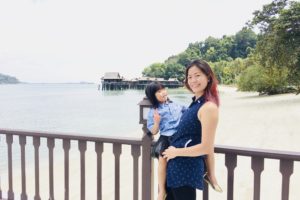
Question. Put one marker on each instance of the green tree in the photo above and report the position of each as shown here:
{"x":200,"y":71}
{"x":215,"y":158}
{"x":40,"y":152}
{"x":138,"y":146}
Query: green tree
{"x":174,"y":70}
{"x":155,"y":70}
{"x":244,"y":41}
{"x":263,"y":80}
{"x":279,"y":40}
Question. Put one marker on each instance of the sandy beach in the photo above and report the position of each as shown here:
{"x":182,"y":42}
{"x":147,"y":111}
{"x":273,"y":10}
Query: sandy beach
{"x":246,"y":120}
{"x":265,"y":122}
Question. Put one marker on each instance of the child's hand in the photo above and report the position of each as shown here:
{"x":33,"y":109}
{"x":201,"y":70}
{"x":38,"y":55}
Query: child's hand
{"x":156,"y":116}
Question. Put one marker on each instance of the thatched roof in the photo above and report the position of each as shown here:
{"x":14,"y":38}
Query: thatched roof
{"x":112,"y":75}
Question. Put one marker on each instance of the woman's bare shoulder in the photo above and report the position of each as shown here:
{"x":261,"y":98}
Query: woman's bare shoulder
{"x":208,"y":108}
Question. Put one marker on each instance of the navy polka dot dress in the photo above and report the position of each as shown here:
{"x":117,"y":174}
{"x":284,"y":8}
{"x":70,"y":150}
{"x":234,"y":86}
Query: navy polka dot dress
{"x":187,"y":171}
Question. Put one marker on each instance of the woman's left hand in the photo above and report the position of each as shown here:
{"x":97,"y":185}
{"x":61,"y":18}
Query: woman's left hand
{"x":170,"y":153}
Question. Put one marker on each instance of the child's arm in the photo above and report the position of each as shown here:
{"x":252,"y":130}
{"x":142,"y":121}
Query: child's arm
{"x":153,"y":122}
{"x":156,"y":119}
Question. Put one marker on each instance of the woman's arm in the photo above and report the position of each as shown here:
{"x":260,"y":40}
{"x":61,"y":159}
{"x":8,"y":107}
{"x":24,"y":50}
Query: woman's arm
{"x":208,"y":115}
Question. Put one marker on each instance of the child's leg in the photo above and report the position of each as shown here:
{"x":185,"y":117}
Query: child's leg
{"x":210,"y":167}
{"x":162,"y":167}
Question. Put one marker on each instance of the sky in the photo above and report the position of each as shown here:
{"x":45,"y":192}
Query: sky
{"x":79,"y":40}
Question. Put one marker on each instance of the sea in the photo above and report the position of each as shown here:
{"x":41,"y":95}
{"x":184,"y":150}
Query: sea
{"x":75,"y":108}
{"x":79,"y":109}
{"x":246,"y":120}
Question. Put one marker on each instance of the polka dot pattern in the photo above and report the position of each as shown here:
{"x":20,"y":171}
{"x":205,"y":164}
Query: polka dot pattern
{"x":187,"y":171}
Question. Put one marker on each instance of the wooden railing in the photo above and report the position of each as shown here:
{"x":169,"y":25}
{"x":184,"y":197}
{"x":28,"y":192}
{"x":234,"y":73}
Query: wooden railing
{"x":82,"y":145}
{"x":286,"y":159}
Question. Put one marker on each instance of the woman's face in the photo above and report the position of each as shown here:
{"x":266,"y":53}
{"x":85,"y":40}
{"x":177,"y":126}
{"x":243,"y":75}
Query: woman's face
{"x":161,"y":95}
{"x":197,"y":80}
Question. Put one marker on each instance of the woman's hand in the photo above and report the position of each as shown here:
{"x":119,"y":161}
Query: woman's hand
{"x":170,"y":153}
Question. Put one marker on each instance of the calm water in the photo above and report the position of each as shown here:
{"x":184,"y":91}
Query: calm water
{"x":246,"y":120}
{"x":70,"y":108}
{"x":74,"y":108}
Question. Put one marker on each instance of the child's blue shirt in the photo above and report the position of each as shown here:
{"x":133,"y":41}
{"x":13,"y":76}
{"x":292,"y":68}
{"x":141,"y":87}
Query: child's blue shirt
{"x":170,"y":114}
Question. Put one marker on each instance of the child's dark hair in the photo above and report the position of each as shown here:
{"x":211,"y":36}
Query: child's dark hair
{"x":150,"y":91}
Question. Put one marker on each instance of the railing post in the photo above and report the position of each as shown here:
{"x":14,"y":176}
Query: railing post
{"x":147,"y":162}
{"x":286,"y":169}
{"x":82,"y":149}
{"x":230,"y":162}
{"x":22,"y":141}
{"x":51,"y":144}
{"x":205,"y":192}
{"x":9,"y":141}
{"x":99,"y":151}
{"x":117,"y":150}
{"x":257,"y":165}
{"x":66,"y":147}
{"x":135,"y":152}
{"x":36,"y":144}
{"x":0,"y":165}
{"x":147,"y":180}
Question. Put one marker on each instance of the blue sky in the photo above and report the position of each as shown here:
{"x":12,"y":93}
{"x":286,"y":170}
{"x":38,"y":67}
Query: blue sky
{"x":80,"y":40}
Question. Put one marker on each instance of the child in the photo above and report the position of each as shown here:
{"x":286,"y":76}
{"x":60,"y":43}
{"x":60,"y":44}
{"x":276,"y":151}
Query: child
{"x":164,"y":117}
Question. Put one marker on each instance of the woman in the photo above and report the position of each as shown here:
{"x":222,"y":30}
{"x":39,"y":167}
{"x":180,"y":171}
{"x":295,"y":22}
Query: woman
{"x":195,"y":135}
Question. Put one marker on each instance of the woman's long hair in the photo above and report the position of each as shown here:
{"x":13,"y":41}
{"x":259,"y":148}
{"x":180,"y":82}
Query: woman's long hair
{"x":210,"y":92}
{"x":150,"y":91}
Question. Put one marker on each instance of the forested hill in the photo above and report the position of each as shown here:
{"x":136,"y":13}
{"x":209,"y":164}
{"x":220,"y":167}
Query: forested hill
{"x":267,"y":62}
{"x":5,"y":79}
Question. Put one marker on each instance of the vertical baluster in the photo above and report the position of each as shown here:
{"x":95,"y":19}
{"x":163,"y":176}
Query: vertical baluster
{"x":22,"y":141}
{"x":0,"y":165}
{"x":117,"y":152}
{"x":66,"y":147}
{"x":135,"y":152}
{"x":257,"y":165}
{"x":99,"y":151}
{"x":50,"y":144}
{"x":9,"y":141}
{"x":230,"y":162}
{"x":205,"y":191}
{"x":286,"y":169}
{"x":82,"y":149}
{"x":0,"y":189}
{"x":36,"y":144}
{"x":147,"y":189}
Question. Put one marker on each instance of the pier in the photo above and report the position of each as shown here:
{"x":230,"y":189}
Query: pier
{"x":113,"y":81}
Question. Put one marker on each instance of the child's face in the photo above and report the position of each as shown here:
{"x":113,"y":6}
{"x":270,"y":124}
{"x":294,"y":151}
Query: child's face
{"x":161,"y":95}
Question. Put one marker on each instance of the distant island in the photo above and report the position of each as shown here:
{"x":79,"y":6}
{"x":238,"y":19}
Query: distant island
{"x":5,"y":79}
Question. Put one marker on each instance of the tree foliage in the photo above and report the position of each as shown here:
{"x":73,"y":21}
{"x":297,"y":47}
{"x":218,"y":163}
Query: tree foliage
{"x":155,"y":70}
{"x":278,"y":45}
{"x":268,"y":62}
{"x":212,"y":50}
{"x":263,"y":80}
